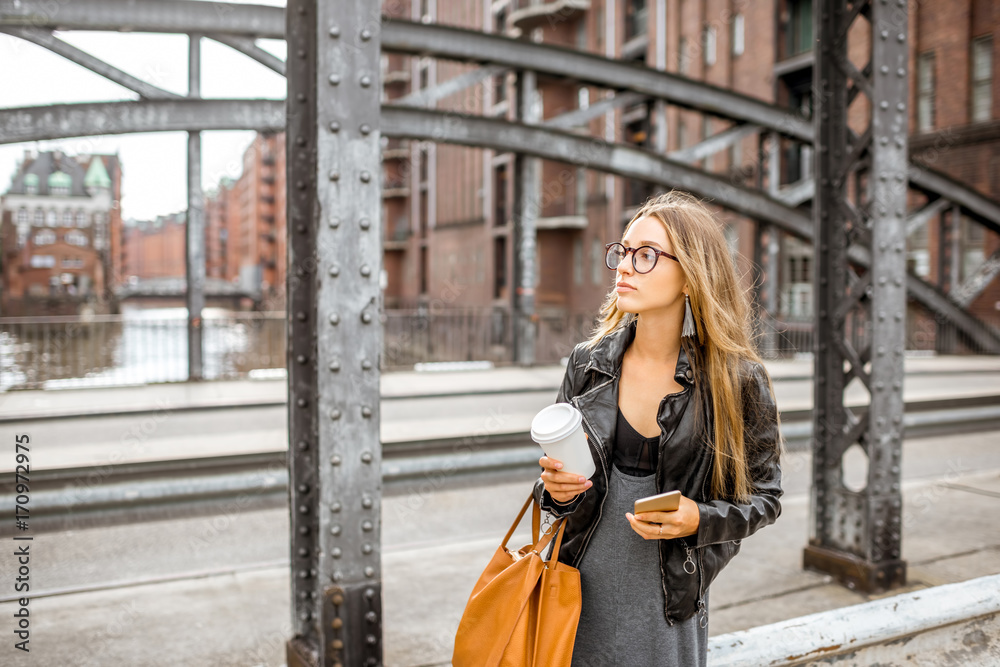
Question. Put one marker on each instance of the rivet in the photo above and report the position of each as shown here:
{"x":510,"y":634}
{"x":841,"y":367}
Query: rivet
{"x":366,"y":502}
{"x":369,"y":593}
{"x":366,"y":34}
{"x":365,"y":223}
{"x":337,"y":600}
{"x":334,"y":31}
{"x":303,"y":509}
{"x":884,"y":34}
{"x":367,"y":548}
{"x":303,"y":488}
{"x":366,"y":128}
{"x":369,"y":571}
{"x":334,"y":270}
{"x":301,"y":53}
{"x":335,"y":460}
{"x":301,"y":97}
{"x":366,"y":176}
{"x":334,"y":126}
{"x":335,"y":365}
{"x":337,"y":623}
{"x":367,"y":526}
{"x":335,"y":414}
{"x":366,"y":411}
{"x":337,"y":576}
{"x":305,"y":615}
{"x":371,"y":639}
{"x":335,"y":529}
{"x":901,"y":72}
{"x":366,"y":365}
{"x":884,"y":69}
{"x":301,"y":316}
{"x":883,"y":104}
{"x":334,"y":318}
{"x":366,"y":457}
{"x":334,"y":79}
{"x":371,"y":617}
{"x":302,"y":402}
{"x":901,"y":37}
{"x":884,"y":140}
{"x":303,"y":552}
{"x":301,"y":141}
{"x":898,"y":316}
{"x":365,"y":270}
{"x":301,"y":358}
{"x":301,"y":229}
{"x":336,"y":506}
{"x":366,"y":317}
{"x":336,"y":552}
{"x":366,"y":81}
{"x":900,"y":106}
{"x":334,"y":222}
{"x":334,"y":175}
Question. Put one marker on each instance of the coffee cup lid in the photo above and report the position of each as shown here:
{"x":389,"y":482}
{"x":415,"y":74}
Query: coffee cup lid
{"x":554,"y":423}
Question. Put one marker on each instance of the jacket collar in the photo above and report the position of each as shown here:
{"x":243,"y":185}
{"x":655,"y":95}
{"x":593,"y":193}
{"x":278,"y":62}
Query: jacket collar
{"x":607,"y":355}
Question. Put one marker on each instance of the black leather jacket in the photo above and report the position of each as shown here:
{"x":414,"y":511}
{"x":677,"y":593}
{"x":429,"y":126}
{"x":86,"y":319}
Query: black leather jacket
{"x":687,"y":564}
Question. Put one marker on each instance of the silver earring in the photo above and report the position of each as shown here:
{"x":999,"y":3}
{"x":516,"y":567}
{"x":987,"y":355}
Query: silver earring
{"x":688,"y":328}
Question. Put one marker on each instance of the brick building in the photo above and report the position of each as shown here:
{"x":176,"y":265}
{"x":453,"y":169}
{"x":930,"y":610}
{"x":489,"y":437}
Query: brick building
{"x":447,"y":209}
{"x":155,"y":248}
{"x":60,"y":229}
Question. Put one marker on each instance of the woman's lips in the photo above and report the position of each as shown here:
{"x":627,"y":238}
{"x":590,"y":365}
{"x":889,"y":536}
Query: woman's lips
{"x":624,"y":288}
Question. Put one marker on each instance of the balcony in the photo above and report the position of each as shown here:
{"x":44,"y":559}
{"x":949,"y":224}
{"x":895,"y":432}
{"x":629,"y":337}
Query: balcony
{"x":394,"y":77}
{"x":527,"y":16}
{"x":395,"y":188}
{"x":399,"y":238}
{"x":562,"y":222}
{"x":396,"y":149}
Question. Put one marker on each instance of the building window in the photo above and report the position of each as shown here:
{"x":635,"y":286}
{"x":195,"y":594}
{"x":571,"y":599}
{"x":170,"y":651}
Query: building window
{"x":709,"y":40}
{"x":39,"y":216}
{"x":683,"y":57}
{"x":598,"y":270}
{"x":67,"y":218}
{"x":737,"y":37}
{"x":635,"y":19}
{"x":76,"y":238}
{"x":72,"y":263}
{"x":43,"y":261}
{"x":798,"y":35}
{"x":500,"y":193}
{"x":982,"y":79}
{"x":45,"y":237}
{"x":578,"y":261}
{"x":925,"y":92}
{"x":52,"y":218}
{"x":22,"y":216}
{"x":81,"y":218}
{"x":499,"y":267}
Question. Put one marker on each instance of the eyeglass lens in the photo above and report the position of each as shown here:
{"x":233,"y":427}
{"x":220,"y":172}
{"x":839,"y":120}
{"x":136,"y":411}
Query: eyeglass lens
{"x":643,"y":259}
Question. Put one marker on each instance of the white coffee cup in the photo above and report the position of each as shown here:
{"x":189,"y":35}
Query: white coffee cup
{"x":558,"y":429}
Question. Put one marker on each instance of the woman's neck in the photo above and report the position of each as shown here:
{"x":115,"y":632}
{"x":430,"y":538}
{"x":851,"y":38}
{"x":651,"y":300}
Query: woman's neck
{"x":657,"y":339}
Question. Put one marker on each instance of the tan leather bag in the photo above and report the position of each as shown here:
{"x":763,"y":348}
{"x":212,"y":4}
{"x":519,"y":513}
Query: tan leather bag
{"x":523,"y":611}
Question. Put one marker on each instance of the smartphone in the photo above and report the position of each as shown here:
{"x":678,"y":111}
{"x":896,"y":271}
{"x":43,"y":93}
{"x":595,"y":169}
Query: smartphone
{"x":664,"y":502}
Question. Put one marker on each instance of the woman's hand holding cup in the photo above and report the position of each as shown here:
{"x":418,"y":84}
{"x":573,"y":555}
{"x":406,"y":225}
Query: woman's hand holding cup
{"x":562,"y":486}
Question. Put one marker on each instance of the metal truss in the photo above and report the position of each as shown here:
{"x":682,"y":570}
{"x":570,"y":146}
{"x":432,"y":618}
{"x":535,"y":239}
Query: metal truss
{"x":860,"y":202}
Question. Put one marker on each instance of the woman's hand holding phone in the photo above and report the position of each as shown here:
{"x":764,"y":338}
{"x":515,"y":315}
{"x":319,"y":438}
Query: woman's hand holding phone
{"x":562,"y":486}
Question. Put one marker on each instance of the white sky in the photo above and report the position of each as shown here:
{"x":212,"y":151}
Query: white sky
{"x":154,"y":165}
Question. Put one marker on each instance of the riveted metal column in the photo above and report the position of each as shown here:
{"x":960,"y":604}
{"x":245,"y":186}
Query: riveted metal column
{"x":856,"y":533}
{"x":194,"y":237}
{"x":766,"y":245}
{"x":334,"y":302}
{"x":527,"y":204}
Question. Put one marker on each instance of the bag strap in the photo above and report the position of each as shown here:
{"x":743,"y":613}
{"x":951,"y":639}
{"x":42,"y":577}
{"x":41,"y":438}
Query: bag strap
{"x":538,"y":544}
{"x":517,"y":520}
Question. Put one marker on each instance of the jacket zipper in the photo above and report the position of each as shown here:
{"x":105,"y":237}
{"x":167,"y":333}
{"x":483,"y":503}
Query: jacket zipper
{"x":607,"y":482}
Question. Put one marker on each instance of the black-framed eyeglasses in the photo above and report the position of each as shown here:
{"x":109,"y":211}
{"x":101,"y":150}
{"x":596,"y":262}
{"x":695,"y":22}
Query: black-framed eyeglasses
{"x":644,"y":257}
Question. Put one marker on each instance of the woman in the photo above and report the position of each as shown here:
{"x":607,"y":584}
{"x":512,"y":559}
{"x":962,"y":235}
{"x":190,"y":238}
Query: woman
{"x":673,"y":396}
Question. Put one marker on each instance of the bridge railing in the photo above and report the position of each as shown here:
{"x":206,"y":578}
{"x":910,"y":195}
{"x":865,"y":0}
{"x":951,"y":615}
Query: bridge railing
{"x":151,"y":346}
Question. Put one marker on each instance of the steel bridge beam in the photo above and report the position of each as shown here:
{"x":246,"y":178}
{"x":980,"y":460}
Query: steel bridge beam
{"x":334,"y":212}
{"x":47,"y":40}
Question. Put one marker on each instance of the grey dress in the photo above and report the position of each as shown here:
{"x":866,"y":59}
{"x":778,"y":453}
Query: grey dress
{"x":622,"y":622}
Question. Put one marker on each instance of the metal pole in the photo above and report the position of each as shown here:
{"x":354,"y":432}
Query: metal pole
{"x":856,"y":534}
{"x":195,"y":230}
{"x":334,"y":331}
{"x":527,"y":202}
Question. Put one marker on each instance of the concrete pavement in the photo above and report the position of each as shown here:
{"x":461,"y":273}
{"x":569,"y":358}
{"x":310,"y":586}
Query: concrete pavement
{"x":214,"y":590}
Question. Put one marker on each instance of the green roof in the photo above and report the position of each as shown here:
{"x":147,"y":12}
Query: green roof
{"x":97,"y":175}
{"x":60,"y":179}
{"x":31,"y":179}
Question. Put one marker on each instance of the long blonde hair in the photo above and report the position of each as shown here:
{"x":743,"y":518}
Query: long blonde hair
{"x":724,"y":319}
